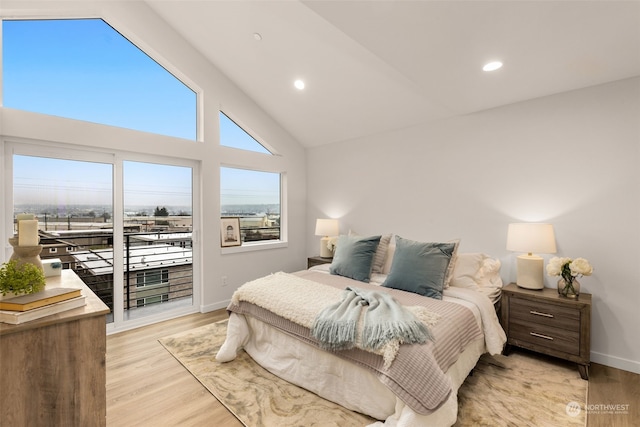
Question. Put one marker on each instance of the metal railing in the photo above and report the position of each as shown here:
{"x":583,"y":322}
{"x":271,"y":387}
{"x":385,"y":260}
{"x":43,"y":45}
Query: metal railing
{"x":158,"y":268}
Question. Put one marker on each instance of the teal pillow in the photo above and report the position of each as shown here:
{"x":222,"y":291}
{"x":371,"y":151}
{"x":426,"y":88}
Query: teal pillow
{"x":419,"y":267}
{"x":354,"y":256}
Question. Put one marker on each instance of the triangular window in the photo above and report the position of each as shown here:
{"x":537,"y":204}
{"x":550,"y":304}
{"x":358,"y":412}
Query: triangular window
{"x":84,"y":69}
{"x":232,"y":135}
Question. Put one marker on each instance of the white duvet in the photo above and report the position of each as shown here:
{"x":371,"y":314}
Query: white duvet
{"x":343,"y":382}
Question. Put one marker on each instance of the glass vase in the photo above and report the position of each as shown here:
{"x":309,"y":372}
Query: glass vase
{"x":569,"y":289}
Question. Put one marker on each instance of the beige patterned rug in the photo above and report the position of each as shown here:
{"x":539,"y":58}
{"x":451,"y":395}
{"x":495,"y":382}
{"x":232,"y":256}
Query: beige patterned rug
{"x":519,"y":390}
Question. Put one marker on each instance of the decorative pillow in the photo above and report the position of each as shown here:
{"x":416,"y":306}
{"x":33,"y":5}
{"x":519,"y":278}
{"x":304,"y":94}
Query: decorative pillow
{"x":466,"y":268}
{"x":479,"y":272}
{"x":389,"y":259}
{"x":354,"y":256}
{"x":381,"y":253}
{"x":449,"y":276}
{"x":419,"y":267}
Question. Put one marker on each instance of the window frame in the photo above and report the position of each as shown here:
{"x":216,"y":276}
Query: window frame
{"x":143,"y":49}
{"x":116,"y":157}
{"x":283,"y":242}
{"x":164,"y":273}
{"x":246,"y":129}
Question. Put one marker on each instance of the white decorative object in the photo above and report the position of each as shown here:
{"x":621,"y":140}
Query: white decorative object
{"x":28,"y":232}
{"x":326,"y":228}
{"x":530,"y":238}
{"x":24,"y":216}
{"x":52,"y":267}
{"x":569,"y":270}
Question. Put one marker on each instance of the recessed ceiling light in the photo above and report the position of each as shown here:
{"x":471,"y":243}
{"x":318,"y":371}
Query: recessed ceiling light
{"x":299,"y":84}
{"x":257,"y":36}
{"x":492,"y":66}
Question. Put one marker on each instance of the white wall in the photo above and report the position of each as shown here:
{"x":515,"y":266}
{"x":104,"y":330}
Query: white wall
{"x":141,"y":25}
{"x":571,"y":159}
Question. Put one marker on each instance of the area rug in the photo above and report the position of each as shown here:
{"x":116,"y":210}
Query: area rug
{"x":519,"y":390}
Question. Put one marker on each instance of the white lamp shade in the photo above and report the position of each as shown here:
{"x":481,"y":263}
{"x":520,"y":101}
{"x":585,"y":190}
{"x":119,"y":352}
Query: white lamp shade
{"x":531,"y":237}
{"x":327,"y":227}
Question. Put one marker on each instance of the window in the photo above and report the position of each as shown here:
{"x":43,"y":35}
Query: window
{"x":84,"y":69}
{"x":152,"y":277}
{"x":232,"y":135}
{"x":254,"y":197}
{"x":53,"y":250}
{"x":73,"y":201}
{"x":141,"y":302}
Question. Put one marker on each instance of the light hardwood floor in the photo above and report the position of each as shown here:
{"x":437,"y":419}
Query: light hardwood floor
{"x":146,"y":386}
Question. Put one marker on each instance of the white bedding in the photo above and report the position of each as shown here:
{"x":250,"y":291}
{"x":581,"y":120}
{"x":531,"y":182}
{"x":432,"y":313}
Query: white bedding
{"x":342,"y":382}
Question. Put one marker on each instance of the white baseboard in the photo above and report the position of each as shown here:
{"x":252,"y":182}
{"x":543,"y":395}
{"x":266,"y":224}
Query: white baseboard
{"x":616,"y":362}
{"x":215,"y":306}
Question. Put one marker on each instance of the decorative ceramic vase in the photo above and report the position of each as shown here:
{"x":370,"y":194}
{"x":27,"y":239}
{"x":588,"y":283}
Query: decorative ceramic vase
{"x":569,"y":289}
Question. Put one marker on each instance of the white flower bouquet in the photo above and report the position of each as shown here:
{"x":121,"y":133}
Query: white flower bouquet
{"x":332,"y":243}
{"x":569,"y":269}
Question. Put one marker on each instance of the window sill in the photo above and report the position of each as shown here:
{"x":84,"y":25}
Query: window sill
{"x":254,"y":246}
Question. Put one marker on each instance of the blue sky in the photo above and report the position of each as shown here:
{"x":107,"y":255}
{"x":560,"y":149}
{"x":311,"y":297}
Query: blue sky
{"x":85,"y":70}
{"x":91,"y":183}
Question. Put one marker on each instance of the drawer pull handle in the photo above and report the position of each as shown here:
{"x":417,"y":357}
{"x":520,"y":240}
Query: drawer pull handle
{"x":546,"y":337}
{"x":537,"y":313}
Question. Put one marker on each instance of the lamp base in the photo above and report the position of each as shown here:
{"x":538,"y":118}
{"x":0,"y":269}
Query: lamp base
{"x":325,"y":252}
{"x":530,"y":272}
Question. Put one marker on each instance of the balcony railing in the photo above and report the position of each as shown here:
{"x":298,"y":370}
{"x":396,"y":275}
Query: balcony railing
{"x":254,"y":234}
{"x":158,"y":267}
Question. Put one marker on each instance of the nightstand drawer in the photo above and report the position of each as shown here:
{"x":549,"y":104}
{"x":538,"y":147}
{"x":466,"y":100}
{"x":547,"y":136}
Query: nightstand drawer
{"x":557,"y":339}
{"x":527,"y":311}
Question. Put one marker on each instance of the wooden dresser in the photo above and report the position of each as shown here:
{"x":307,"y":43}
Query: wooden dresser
{"x":543,"y":321}
{"x":52,"y":370}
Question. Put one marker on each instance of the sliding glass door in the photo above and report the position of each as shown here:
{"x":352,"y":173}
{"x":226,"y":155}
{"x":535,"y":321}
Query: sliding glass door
{"x":123,"y":226}
{"x":157,"y":235}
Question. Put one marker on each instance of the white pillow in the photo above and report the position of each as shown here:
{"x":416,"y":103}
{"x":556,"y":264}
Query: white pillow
{"x":389,"y":259}
{"x":477,"y":271}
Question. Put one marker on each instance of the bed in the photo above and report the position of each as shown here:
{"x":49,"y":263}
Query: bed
{"x":273,"y":320}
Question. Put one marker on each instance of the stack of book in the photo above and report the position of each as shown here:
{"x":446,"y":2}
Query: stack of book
{"x":29,"y":307}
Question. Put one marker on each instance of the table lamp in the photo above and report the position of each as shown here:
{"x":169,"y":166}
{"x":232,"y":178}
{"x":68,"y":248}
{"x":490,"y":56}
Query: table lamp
{"x":326,"y":228}
{"x":530,"y":238}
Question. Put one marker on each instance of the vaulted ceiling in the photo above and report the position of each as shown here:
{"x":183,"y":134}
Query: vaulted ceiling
{"x":375,"y":66}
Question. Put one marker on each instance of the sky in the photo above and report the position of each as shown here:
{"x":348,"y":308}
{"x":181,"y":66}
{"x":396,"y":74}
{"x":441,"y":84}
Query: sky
{"x":85,"y":70}
{"x":90,"y":183}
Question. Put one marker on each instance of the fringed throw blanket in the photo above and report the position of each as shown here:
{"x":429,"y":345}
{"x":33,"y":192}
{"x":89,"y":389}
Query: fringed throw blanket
{"x":291,"y":303}
{"x":385,"y":321}
{"x":302,"y":301}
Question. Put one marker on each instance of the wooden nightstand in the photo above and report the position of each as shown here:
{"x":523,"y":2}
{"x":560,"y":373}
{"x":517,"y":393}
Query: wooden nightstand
{"x":543,"y":321}
{"x":316,"y":260}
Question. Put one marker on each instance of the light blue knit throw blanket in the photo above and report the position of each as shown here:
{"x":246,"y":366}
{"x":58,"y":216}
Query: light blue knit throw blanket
{"x":385,"y":320}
